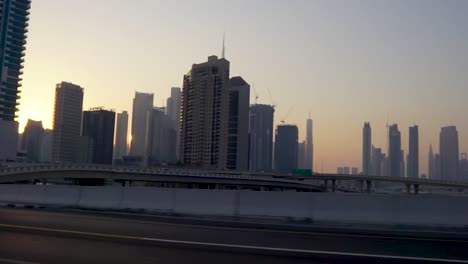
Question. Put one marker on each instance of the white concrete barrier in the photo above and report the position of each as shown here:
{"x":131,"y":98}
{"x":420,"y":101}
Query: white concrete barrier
{"x":9,"y":192}
{"x":205,"y":202}
{"x":101,"y":197}
{"x":62,"y":195}
{"x":322,"y":207}
{"x":158,"y":199}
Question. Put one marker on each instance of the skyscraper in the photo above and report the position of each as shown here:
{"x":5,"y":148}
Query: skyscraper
{"x":261,"y":137}
{"x":32,"y":135}
{"x":173,"y":111}
{"x":309,"y":147}
{"x":437,"y":167}
{"x":13,"y":28}
{"x":286,"y":148}
{"x":449,"y":154}
{"x":238,"y":141}
{"x":394,"y":151}
{"x":205,"y":114}
{"x":120,"y":146}
{"x":378,"y":159}
{"x":431,"y":164}
{"x":98,"y":124}
{"x":366,"y":149}
{"x":142,"y":106}
{"x":413,"y":154}
{"x":162,"y":139}
{"x":68,"y":108}
{"x":45,"y":146}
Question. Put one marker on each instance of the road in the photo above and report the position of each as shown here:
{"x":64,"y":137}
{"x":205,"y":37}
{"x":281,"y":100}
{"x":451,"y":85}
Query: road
{"x":37,"y":236}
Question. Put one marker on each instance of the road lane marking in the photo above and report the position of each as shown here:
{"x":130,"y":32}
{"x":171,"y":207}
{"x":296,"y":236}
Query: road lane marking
{"x":15,"y":261}
{"x":230,"y":246}
{"x":103,"y":218}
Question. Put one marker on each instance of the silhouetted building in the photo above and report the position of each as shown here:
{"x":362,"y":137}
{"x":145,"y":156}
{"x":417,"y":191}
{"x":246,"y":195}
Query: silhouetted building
{"x":463,"y":167}
{"x":413,"y":154}
{"x":340,"y":170}
{"x":98,"y":124}
{"x":85,"y":150}
{"x":173,"y":111}
{"x":394,"y":152}
{"x":309,"y":147}
{"x":238,"y":142}
{"x":45,"y":146}
{"x":13,"y":27}
{"x":449,"y":155}
{"x":121,"y":130}
{"x":68,"y":109}
{"x":431,"y":164}
{"x":261,"y":137}
{"x":162,"y":139}
{"x":142,"y":106}
{"x":301,"y":151}
{"x":378,"y":159}
{"x":366,"y":149}
{"x":205,"y":114}
{"x":286,"y":148}
{"x":31,"y":139}
{"x":437,"y":167}
{"x":354,"y":171}
{"x":346,"y":170}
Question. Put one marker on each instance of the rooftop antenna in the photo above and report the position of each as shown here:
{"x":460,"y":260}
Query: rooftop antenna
{"x":271,"y":98}
{"x":223,"y":53}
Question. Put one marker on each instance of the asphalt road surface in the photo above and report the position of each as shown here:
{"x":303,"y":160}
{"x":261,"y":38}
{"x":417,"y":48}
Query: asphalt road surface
{"x":36,"y":236}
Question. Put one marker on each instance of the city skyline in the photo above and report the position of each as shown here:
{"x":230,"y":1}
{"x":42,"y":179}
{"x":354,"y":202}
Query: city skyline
{"x":333,"y":145}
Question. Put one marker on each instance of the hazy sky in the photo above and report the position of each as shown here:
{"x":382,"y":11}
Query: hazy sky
{"x":345,"y":62}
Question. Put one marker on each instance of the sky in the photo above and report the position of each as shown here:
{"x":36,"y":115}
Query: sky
{"x":344,"y":62}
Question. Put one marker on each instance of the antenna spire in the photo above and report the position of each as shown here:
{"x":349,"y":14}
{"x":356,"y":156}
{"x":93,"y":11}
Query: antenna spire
{"x":223,"y":53}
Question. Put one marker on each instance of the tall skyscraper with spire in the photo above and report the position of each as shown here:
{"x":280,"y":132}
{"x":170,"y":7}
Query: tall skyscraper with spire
{"x":413,"y":153}
{"x":366,"y":149}
{"x":13,"y":28}
{"x":309,"y":148}
{"x":205,"y":114}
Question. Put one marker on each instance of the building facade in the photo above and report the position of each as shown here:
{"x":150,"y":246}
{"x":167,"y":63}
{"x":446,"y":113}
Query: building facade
{"x":14,"y":16}
{"x":99,"y":124}
{"x":286,"y":148}
{"x":121,"y":136}
{"x":301,"y":151}
{"x":173,"y":111}
{"x":309,"y":146}
{"x":413,"y":153}
{"x":31,"y":140}
{"x":68,"y":109}
{"x":162,"y":138}
{"x":378,"y":158}
{"x":366,"y":149}
{"x":261,"y":137}
{"x":449,"y":153}
{"x":142,"y":106}
{"x":394,"y":152}
{"x":205,"y":114}
{"x":238,"y":141}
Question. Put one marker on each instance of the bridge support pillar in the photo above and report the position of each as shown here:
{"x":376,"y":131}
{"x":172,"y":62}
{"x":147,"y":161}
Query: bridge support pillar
{"x":408,"y":188}
{"x":361,"y":186}
{"x":368,"y":186}
{"x":333,"y":185}
{"x":416,"y":188}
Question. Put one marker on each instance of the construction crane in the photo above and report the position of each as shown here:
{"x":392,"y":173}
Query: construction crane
{"x":286,"y":116}
{"x":255,"y":93}
{"x":271,"y":98}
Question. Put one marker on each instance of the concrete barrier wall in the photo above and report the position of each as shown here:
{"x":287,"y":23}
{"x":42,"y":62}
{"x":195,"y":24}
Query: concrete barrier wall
{"x":320,"y":207}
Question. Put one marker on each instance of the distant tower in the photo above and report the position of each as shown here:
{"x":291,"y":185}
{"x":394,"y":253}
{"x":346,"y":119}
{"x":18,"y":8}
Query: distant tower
{"x":366,"y":149}
{"x":261,"y":137}
{"x":98,"y":124}
{"x":431,"y":164}
{"x":142,"y":106}
{"x":173,"y":112}
{"x":309,"y":148}
{"x":449,"y":154}
{"x":413,"y":154}
{"x":286,"y":148}
{"x":121,"y":138}
{"x":32,"y":135}
{"x":67,"y":122}
{"x":394,"y":151}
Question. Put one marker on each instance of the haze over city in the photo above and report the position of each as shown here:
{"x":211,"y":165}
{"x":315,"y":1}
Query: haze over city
{"x":342,"y":62}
